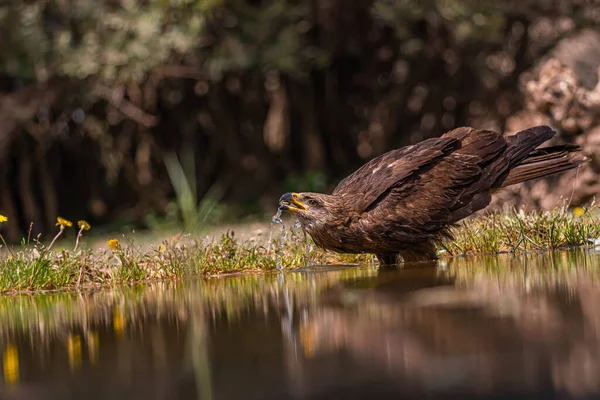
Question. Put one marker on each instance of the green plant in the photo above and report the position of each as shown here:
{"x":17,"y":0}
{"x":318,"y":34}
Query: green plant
{"x":195,"y":213}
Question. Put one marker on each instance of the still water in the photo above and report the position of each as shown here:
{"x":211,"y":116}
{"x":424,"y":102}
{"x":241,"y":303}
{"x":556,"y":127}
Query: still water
{"x":477,"y":327}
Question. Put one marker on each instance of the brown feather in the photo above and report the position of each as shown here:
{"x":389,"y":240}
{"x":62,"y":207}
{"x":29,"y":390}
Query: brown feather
{"x":543,"y":165}
{"x":378,"y":175}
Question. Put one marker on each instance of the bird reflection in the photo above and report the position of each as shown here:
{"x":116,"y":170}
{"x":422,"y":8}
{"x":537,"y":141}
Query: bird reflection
{"x":419,"y":324}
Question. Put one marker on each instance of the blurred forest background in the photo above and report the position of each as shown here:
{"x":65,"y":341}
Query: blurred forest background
{"x":137,"y":111}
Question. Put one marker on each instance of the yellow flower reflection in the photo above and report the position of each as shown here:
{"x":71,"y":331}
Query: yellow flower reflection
{"x":74,"y":349}
{"x":63,"y":222}
{"x":10,"y":362}
{"x":118,"y":323}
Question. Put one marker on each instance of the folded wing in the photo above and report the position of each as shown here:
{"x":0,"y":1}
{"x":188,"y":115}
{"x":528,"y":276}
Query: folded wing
{"x":418,"y":190}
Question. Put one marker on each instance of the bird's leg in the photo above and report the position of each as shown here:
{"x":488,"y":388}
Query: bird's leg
{"x":424,"y":251}
{"x":388,"y":260}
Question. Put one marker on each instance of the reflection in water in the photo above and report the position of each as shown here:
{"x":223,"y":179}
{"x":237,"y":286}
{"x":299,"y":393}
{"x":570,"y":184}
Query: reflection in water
{"x":74,"y":350}
{"x":92,"y":346}
{"x":11,"y":364}
{"x":520,"y":326}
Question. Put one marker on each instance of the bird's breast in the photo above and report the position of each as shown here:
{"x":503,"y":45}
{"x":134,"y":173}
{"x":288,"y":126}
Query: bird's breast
{"x":339,"y":238}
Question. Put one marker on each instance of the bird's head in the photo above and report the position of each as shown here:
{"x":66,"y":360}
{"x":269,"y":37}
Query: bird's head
{"x":312,"y":209}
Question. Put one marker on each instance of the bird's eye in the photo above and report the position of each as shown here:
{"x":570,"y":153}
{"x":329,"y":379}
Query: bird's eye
{"x":312,"y":202}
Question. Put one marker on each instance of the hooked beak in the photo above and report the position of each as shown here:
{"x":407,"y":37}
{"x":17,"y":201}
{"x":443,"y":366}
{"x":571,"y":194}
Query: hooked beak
{"x":290,"y":202}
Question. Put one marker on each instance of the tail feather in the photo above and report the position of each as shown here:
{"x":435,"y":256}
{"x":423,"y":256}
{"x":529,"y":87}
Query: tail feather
{"x":544,"y":162}
{"x":546,"y":153}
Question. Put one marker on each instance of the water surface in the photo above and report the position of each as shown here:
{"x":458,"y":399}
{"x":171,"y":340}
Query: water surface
{"x":477,"y":327}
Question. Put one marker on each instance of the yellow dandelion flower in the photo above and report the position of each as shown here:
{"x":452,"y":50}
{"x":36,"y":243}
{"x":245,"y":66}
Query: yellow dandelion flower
{"x":114,"y":244}
{"x":83,"y":225}
{"x":63,"y":222}
{"x":578,"y":211}
{"x":3,"y":218}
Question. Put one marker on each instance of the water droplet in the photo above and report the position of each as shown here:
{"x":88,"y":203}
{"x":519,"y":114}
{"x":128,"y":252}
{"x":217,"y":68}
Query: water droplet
{"x":307,"y":249}
{"x":277,"y":220}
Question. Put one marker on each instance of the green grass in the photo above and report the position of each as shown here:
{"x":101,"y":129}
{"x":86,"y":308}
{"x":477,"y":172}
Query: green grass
{"x":37,"y":267}
{"x":518,"y":231}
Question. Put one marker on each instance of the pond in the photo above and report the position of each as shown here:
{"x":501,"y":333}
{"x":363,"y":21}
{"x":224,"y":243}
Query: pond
{"x":508,"y":326}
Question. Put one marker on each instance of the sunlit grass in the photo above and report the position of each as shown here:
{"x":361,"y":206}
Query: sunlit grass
{"x":35,"y":266}
{"x":519,"y":231}
{"x":122,"y":261}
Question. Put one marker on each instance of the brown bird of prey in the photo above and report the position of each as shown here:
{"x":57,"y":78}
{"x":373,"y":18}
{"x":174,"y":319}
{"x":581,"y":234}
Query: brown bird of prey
{"x":401,"y":202}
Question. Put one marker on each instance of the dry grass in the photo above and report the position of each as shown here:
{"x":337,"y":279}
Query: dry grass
{"x":38,"y":267}
{"x":517,"y":231}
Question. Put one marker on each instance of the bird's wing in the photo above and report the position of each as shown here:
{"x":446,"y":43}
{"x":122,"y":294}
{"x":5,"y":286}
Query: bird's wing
{"x":437,"y":181}
{"x":455,"y":187}
{"x":377,"y":176}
